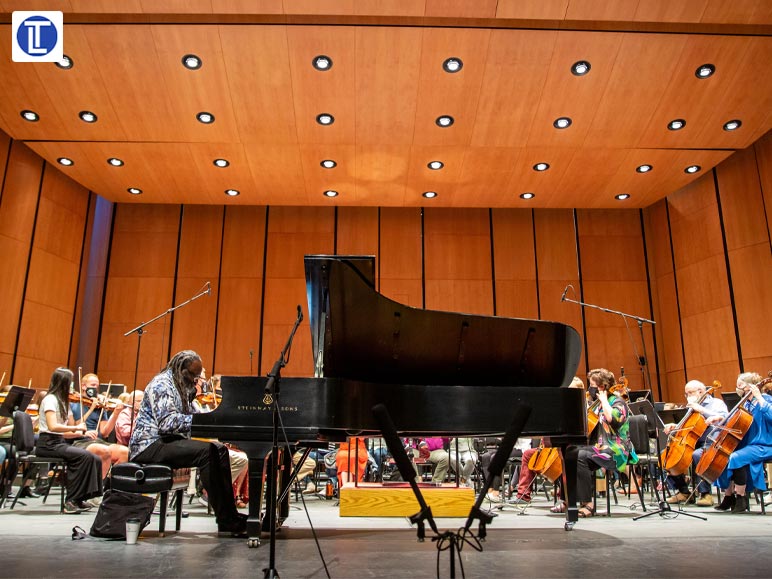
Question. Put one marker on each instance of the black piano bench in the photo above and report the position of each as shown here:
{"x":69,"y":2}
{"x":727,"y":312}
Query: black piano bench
{"x":132,"y":477}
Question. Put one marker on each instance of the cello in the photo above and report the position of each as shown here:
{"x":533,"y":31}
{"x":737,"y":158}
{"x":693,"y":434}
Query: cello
{"x":677,"y":456}
{"x":716,"y":458}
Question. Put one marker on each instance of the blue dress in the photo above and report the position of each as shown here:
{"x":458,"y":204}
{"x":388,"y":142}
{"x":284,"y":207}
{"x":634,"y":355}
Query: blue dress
{"x":755,"y":447}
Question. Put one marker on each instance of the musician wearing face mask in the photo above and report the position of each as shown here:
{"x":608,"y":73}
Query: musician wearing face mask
{"x":713,"y":410}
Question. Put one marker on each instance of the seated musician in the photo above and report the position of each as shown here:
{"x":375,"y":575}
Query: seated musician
{"x":463,"y":448}
{"x":351,"y":458}
{"x":162,"y":435}
{"x":522,"y":445}
{"x":745,"y":470}
{"x":613,"y":449}
{"x":433,"y":450}
{"x":100,"y":423}
{"x":713,"y":410}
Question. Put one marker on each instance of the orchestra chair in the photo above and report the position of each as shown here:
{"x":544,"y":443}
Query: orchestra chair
{"x":639,"y":436}
{"x":23,"y":452}
{"x":132,"y":477}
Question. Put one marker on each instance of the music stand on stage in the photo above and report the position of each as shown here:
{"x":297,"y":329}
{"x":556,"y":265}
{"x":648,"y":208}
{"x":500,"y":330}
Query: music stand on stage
{"x":18,"y":398}
{"x":656,"y":427}
{"x":636,"y":395}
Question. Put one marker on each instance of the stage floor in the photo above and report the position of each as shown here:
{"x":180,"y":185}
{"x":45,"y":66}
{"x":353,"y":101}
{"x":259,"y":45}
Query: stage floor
{"x":36,"y":542}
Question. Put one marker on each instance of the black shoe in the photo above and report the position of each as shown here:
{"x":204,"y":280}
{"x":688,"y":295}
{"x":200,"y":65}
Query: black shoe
{"x":727,"y":503}
{"x":28,"y":493}
{"x":741,"y":504}
{"x":235,"y":527}
{"x":43,"y":485}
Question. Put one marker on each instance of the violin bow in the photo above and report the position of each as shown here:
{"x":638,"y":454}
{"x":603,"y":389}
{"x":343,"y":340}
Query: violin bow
{"x":80,"y":392}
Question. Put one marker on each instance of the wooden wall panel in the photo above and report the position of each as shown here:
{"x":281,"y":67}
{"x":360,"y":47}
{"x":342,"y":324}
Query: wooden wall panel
{"x":292,"y":233}
{"x":763,"y":150}
{"x":401,"y":277}
{"x":614,"y":277}
{"x":357,"y":232}
{"x":703,"y":288}
{"x":557,"y":264}
{"x":515,"y":264}
{"x":17,"y":217}
{"x":140,"y":286}
{"x":240,"y":292}
{"x":458,"y":273}
{"x":198,"y":263}
{"x":750,"y":259}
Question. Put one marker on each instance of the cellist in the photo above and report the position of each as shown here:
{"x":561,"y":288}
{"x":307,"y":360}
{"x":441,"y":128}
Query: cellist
{"x":713,"y":410}
{"x":747,"y":461}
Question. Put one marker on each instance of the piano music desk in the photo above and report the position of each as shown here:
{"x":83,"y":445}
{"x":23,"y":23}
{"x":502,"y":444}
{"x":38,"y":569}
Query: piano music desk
{"x":377,"y":500}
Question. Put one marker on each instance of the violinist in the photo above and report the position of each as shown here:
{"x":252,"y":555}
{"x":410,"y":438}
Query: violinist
{"x":712,"y":410}
{"x":613,"y":449}
{"x":57,"y":426}
{"x":745,"y":470}
{"x":123,"y":424}
{"x":100,"y":422}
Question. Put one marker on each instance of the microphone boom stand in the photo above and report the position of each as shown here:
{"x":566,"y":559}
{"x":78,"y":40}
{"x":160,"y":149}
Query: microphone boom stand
{"x":271,"y":395}
{"x":140,"y":330}
{"x":642,"y":361}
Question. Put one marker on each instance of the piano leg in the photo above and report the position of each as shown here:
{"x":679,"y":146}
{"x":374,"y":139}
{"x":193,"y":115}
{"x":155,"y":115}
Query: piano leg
{"x":260,"y":480}
{"x":570,"y":455}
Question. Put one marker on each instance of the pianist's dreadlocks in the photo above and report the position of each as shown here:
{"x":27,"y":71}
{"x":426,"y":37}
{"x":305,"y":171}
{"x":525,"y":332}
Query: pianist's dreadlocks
{"x":185,"y":384}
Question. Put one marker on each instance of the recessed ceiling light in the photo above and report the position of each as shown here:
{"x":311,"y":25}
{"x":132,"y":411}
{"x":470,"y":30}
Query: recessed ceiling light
{"x":191,"y":62}
{"x":676,"y":125}
{"x":580,"y":68}
{"x":330,"y":193}
{"x":452,"y":64}
{"x":87,"y":117}
{"x":541,"y":167}
{"x":622,"y":196}
{"x":704,"y":71}
{"x":733,"y":125}
{"x":643,"y":168}
{"x":429,"y":194}
{"x":435,"y":165}
{"x":206,"y":118}
{"x":232,"y":192}
{"x":65,"y":161}
{"x":691,"y":169}
{"x":325,"y":119}
{"x":562,"y":123}
{"x":30,"y":116}
{"x":65,"y":62}
{"x":527,"y":195}
{"x":222,"y":163}
{"x":322,"y":62}
{"x":328,"y":164}
{"x":445,"y":121}
{"x":134,"y":191}
{"x":115,"y":162}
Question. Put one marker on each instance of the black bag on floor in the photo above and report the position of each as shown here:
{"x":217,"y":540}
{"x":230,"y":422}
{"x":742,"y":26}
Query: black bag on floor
{"x":116,"y":508}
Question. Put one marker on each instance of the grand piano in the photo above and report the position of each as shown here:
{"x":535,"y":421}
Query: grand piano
{"x":436,"y":373}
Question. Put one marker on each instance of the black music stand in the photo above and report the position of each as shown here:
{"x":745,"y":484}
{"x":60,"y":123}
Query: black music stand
{"x":18,"y":398}
{"x":656,"y":427}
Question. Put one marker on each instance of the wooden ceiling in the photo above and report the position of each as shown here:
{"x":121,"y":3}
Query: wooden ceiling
{"x":386,"y":89}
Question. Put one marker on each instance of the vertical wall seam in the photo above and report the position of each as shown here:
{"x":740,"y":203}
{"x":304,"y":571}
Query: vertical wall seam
{"x":335,"y":231}
{"x":581,"y":288}
{"x":651,"y":307}
{"x":262,"y":295}
{"x":174,"y":284}
{"x":423,"y":262}
{"x":493,"y":258}
{"x":675,"y":285}
{"x":378,"y":249}
{"x":728,"y":271}
{"x":536,"y":263}
{"x":80,"y":277}
{"x":761,"y":192}
{"x":5,"y":171}
{"x":219,"y":285}
{"x":26,"y":273}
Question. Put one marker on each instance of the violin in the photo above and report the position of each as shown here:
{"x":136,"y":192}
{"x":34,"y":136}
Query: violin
{"x":677,"y":456}
{"x":209,"y":398}
{"x":729,"y":435}
{"x":101,"y":402}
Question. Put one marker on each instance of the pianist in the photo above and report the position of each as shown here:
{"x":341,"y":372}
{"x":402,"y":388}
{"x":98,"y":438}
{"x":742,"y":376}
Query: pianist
{"x":162,"y":435}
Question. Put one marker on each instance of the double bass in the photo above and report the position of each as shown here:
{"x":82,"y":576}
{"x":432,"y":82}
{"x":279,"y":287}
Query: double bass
{"x":677,"y":456}
{"x":716,"y":457}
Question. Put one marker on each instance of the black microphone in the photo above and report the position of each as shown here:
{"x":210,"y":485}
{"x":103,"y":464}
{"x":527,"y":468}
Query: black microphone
{"x":565,"y":291}
{"x":300,"y":314}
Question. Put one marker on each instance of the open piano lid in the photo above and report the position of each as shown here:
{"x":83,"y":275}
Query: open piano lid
{"x":359,"y":334}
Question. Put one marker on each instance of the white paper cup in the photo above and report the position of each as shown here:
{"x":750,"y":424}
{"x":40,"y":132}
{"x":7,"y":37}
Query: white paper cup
{"x":132,"y":531}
